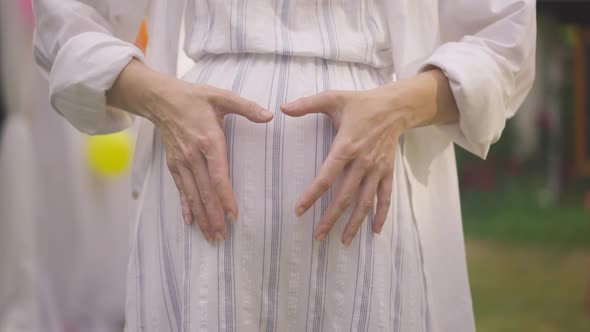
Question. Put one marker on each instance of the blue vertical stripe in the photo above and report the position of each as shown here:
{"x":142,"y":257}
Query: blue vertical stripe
{"x":187,"y":239}
{"x":266,"y":153}
{"x":229,"y":245}
{"x":332,"y":37}
{"x":398,"y":262}
{"x":277,"y":195}
{"x":365,"y":315}
{"x":169,"y":286}
{"x":360,"y":234}
{"x":140,"y":278}
{"x":322,"y":266}
{"x":317,"y":134}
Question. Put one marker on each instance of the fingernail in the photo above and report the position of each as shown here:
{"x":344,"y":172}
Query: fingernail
{"x":320,"y":237}
{"x":299,"y":211}
{"x":231,"y":217}
{"x":347,"y":240}
{"x":218,"y":236}
{"x":379,"y":229}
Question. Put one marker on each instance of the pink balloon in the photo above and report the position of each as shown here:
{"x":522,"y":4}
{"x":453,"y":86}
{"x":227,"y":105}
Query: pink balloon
{"x":27,"y":10}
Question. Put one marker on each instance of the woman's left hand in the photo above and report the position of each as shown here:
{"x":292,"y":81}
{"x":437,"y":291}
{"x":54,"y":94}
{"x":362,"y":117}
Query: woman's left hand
{"x":369,"y":124}
{"x":363,"y":152}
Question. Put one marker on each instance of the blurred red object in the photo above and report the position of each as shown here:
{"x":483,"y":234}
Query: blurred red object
{"x":27,"y":9}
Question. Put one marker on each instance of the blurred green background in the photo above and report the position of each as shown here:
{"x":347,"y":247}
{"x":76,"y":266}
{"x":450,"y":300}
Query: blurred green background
{"x":528,"y":248}
{"x":529,"y":264}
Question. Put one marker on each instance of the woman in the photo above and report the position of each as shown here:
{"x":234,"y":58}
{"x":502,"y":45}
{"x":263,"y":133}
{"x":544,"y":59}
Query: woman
{"x":319,"y":116}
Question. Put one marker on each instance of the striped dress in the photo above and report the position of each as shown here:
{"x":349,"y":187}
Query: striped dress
{"x":270,"y":274}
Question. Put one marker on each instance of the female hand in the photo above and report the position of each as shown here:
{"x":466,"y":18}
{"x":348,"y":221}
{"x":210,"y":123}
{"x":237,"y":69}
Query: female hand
{"x":369,"y":124}
{"x":190,"y":118}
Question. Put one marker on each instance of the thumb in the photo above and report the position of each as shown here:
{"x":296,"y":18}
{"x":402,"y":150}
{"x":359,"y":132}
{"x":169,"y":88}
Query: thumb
{"x":232,"y":103}
{"x":324,"y":102}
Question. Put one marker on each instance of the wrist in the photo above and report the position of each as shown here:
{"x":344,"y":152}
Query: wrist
{"x":425,"y":99}
{"x":405,"y":101}
{"x":137,"y":90}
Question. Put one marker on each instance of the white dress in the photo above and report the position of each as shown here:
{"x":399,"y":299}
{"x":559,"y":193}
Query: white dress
{"x":270,"y":274}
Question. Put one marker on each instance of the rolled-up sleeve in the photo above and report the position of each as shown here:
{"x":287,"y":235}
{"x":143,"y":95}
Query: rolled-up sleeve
{"x":488,"y":55}
{"x":83,"y":46}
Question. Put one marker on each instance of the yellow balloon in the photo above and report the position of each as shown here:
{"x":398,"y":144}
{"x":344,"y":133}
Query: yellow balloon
{"x":109,"y":155}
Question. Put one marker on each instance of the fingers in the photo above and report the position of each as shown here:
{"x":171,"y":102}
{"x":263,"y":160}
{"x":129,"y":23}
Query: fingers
{"x":194,"y":203}
{"x":323,"y":102}
{"x":342,"y":199}
{"x":383,"y":202}
{"x":228,"y":102}
{"x":364,"y":203}
{"x":329,"y":171}
{"x":216,"y":156}
{"x":208,"y":196}
{"x":187,"y":216}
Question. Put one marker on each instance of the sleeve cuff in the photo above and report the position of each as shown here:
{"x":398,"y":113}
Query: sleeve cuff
{"x":85,"y":68}
{"x":480,"y":90}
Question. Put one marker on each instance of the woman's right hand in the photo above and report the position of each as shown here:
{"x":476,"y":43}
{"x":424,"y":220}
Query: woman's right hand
{"x":190,"y":119}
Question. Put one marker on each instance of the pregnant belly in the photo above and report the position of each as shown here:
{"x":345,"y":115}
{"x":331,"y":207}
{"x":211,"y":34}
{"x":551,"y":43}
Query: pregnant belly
{"x":269,"y":264}
{"x":271,"y":164}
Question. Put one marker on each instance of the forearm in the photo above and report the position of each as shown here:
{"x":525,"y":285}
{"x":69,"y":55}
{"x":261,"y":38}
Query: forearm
{"x":425,"y":99}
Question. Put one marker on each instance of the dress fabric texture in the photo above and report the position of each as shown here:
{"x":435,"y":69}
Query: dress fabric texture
{"x":270,"y":274}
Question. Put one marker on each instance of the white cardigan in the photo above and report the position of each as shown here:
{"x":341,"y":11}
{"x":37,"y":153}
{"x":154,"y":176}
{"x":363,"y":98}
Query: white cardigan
{"x":485,"y":47}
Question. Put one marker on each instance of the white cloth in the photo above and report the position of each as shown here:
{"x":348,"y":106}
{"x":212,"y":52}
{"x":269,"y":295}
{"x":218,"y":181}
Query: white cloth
{"x":486,"y":48}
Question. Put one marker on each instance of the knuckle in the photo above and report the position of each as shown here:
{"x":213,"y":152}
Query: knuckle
{"x":366,"y":161}
{"x":366,"y":205}
{"x":172,"y":166}
{"x":381,"y":166}
{"x":192,"y":155}
{"x":216,"y":137}
{"x":386,"y":201}
{"x":344,"y":203}
{"x":173,"y":161}
{"x":326,"y":225}
{"x":323,"y":184}
{"x":352,"y":149}
{"x":217,"y":180}
{"x":359,"y":220}
{"x":203,"y":141}
{"x":354,"y":226}
{"x":189,"y":199}
{"x":205,"y":198}
{"x":249,"y":106}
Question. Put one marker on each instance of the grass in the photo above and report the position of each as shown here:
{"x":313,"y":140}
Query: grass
{"x":522,"y":289}
{"x":529,"y":263}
